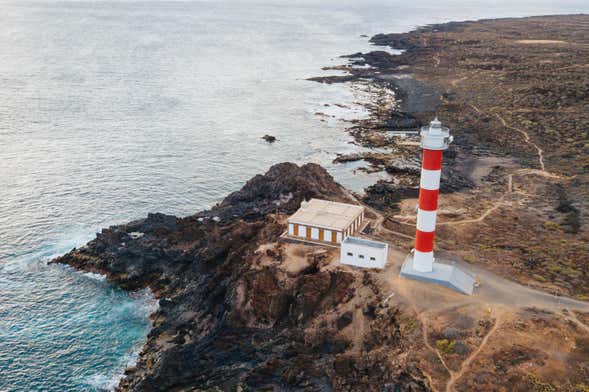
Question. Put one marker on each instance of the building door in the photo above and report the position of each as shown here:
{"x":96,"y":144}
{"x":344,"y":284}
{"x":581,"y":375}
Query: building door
{"x":308,"y":232}
{"x":321,"y":235}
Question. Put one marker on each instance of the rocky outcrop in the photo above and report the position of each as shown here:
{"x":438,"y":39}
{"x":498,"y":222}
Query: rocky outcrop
{"x":281,"y":189}
{"x":269,"y":138}
{"x":377,"y":59}
{"x":226,"y":322}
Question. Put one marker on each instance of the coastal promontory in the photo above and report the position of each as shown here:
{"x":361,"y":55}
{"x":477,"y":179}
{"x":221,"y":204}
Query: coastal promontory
{"x":242,"y":310}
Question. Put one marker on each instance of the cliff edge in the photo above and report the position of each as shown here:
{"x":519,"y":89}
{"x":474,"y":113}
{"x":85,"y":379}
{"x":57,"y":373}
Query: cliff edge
{"x":235,"y":317}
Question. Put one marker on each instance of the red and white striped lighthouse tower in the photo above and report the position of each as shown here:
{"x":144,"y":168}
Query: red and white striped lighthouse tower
{"x":420,"y":263}
{"x":434,"y":140}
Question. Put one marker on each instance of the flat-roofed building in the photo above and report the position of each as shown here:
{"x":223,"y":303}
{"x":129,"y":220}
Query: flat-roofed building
{"x":325,"y":221}
{"x":364,"y":253}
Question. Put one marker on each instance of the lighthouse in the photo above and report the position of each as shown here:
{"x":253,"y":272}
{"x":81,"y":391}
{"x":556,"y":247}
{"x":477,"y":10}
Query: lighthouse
{"x":420,"y":263}
{"x":434,"y":140}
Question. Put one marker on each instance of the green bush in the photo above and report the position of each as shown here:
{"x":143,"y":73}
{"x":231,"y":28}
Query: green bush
{"x":539,"y":386}
{"x":446,"y":346}
{"x":539,"y":278}
{"x":550,"y":225}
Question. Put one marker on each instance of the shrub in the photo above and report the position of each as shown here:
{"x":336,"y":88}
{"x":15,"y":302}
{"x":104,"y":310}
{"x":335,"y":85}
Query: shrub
{"x":550,"y":225}
{"x":446,"y":346}
{"x":539,"y":278}
{"x":539,"y":386}
{"x":581,"y":388}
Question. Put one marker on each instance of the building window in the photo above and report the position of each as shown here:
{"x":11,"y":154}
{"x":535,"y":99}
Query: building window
{"x":361,"y":256}
{"x":301,"y":231}
{"x":350,"y":254}
{"x":314,"y":233}
{"x":372,"y":259}
{"x":328,"y":236}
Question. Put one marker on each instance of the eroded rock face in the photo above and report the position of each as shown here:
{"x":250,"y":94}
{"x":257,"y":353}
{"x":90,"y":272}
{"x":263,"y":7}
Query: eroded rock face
{"x":225,"y":322}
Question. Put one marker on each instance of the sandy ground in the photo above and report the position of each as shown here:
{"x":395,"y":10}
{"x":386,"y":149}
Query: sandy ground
{"x":493,"y":289}
{"x":496,"y":314}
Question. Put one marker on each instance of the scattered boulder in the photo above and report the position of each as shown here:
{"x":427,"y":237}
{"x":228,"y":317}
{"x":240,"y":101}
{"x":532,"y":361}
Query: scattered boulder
{"x":403,"y":166}
{"x":402,"y":121}
{"x":344,"y":320}
{"x":451,"y":333}
{"x":461,"y":349}
{"x":343,"y":158}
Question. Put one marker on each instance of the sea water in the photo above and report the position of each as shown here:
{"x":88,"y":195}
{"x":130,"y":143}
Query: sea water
{"x":111,"y":110}
{"x":62,"y":330}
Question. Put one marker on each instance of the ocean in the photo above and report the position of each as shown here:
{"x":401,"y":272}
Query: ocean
{"x":111,"y":110}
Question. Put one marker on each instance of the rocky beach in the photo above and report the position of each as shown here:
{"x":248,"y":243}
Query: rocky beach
{"x":240,"y":310}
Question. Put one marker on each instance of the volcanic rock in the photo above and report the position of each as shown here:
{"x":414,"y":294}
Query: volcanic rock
{"x":269,"y":138}
{"x":223,"y":323}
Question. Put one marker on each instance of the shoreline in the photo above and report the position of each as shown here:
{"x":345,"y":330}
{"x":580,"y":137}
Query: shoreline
{"x":242,"y":300}
{"x":428,"y":88}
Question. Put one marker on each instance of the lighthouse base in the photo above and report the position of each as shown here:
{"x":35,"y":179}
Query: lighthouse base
{"x":443,"y":274}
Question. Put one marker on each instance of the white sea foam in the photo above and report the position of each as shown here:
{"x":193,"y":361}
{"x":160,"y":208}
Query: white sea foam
{"x":94,"y":276}
{"x":394,"y":52}
{"x":103,"y":382}
{"x":90,"y":275}
{"x":147,"y":300}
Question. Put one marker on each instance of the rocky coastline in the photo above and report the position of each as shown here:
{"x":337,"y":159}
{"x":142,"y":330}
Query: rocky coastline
{"x":514,"y":93}
{"x":238,"y":314}
{"x":224,"y":320}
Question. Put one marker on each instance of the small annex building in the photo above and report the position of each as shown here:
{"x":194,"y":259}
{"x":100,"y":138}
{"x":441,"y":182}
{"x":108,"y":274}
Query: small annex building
{"x":364,"y":253}
{"x":325,"y":221}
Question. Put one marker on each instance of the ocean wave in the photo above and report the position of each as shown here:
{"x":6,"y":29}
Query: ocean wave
{"x":89,"y":275}
{"x":94,"y":276}
{"x":147,"y":300}
{"x":103,"y":382}
{"x":108,"y":382}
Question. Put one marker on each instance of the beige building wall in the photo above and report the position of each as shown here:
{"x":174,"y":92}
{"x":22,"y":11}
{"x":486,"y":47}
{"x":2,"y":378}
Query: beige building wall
{"x":313,"y":233}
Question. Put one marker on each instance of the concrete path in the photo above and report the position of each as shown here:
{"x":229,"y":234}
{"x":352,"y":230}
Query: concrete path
{"x":501,"y":291}
{"x":493,"y":290}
